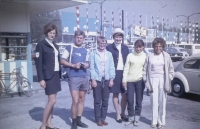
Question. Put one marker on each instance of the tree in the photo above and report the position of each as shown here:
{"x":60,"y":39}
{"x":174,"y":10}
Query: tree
{"x":37,"y":23}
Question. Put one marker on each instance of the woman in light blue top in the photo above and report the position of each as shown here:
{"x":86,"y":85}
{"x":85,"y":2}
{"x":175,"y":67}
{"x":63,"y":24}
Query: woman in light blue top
{"x":102,"y":71}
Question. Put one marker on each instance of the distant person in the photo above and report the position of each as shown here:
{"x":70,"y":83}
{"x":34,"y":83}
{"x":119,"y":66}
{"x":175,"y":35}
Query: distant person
{"x":102,"y":75}
{"x":133,"y":81}
{"x":119,"y":52}
{"x":78,"y":77}
{"x":48,"y":71}
{"x":158,"y":74}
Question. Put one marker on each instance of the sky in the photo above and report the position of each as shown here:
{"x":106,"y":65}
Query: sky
{"x":163,"y":9}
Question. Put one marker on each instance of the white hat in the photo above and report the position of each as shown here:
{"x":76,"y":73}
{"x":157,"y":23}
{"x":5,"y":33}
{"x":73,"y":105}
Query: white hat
{"x":118,"y":30}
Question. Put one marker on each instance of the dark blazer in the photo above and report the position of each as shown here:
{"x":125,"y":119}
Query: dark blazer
{"x":115,"y":53}
{"x":45,"y":60}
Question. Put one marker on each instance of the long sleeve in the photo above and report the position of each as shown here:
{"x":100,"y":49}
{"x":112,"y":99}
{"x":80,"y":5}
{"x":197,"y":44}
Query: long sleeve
{"x":112,"y":66}
{"x":92,"y":66}
{"x":145,"y":68}
{"x":171,"y":69}
{"x":126,"y":69}
{"x":39,"y":61}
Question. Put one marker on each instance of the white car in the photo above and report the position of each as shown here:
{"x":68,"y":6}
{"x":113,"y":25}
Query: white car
{"x":181,"y":50}
{"x":187,"y":77}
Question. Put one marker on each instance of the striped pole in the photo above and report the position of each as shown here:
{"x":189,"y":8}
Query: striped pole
{"x":96,"y":19}
{"x":77,"y":17}
{"x":112,"y":21}
{"x":140,"y":21}
{"x":104,"y":18}
{"x":87,"y":27}
{"x":120,"y":19}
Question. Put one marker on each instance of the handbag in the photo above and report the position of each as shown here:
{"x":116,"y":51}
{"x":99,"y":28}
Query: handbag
{"x":65,"y":69}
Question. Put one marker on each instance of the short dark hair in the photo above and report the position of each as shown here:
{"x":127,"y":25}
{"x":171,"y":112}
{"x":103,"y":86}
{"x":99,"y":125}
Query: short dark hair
{"x":139,"y":42}
{"x":159,"y":40}
{"x":118,"y":34}
{"x":79,"y":32}
{"x":100,"y":39}
{"x":49,"y":27}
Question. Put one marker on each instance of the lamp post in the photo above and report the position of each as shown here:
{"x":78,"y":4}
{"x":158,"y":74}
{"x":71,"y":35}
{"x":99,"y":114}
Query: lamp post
{"x":188,"y":18}
{"x":101,"y":3}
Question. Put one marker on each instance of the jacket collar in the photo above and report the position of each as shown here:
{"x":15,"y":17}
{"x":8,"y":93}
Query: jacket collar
{"x":114,"y":46}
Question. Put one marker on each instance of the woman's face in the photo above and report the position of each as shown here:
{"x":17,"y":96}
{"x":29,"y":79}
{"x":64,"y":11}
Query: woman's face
{"x":118,"y":39}
{"x":102,"y":45}
{"x":51,"y":35}
{"x":138,"y":48}
{"x":158,"y":48}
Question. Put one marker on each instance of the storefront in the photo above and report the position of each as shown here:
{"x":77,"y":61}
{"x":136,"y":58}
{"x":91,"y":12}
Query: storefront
{"x":15,"y":37}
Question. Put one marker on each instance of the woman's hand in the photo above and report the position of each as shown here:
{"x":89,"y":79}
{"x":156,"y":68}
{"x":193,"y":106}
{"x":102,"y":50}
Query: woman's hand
{"x":111,"y":83}
{"x":43,"y":84}
{"x":94,"y":83}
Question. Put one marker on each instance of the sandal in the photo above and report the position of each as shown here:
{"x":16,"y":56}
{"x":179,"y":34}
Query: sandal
{"x":160,"y":127}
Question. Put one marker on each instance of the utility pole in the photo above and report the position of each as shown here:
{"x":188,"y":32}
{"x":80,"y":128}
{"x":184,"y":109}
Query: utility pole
{"x":188,"y":20}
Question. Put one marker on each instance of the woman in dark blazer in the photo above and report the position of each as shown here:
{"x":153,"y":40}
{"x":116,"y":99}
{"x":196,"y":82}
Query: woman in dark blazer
{"x":119,"y":52}
{"x":48,"y":71}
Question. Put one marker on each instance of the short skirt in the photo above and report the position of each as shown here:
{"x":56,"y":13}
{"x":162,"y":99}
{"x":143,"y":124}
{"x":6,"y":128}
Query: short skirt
{"x":53,"y":85}
{"x":117,"y":87}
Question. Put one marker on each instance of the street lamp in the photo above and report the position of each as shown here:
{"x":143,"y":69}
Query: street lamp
{"x":188,"y":18}
{"x":101,"y":3}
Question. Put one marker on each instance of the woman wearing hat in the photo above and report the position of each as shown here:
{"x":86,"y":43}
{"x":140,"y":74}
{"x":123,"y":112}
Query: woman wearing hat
{"x":119,"y":52}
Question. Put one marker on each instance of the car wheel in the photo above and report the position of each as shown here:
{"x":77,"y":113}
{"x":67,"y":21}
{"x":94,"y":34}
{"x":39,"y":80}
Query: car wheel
{"x":178,"y":89}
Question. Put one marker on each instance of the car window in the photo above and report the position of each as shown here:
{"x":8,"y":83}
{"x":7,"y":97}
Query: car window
{"x":173,"y":50}
{"x":182,"y":50}
{"x":192,"y":64}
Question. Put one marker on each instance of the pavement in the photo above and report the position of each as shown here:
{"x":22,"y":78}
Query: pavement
{"x":26,"y":112}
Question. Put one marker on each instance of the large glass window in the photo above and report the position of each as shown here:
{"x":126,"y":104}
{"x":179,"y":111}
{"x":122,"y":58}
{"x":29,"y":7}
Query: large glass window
{"x":13,"y":46}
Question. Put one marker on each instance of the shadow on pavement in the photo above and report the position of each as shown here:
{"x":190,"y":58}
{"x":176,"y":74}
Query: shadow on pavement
{"x":88,"y":113}
{"x":145,"y":120}
{"x":189,"y":96}
{"x":37,"y":113}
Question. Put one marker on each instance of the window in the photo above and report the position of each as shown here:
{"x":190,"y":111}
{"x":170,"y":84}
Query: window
{"x":192,"y":64}
{"x":13,"y":46}
{"x":197,"y":47}
{"x":182,"y":50}
{"x":188,"y":47}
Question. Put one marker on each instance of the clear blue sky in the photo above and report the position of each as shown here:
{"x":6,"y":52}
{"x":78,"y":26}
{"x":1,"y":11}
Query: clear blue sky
{"x":168,"y":9}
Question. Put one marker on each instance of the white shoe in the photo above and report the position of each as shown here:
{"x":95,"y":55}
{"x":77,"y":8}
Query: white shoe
{"x":135,"y":123}
{"x":128,"y":123}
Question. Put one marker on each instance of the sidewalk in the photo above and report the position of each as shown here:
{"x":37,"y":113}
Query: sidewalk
{"x":26,"y":112}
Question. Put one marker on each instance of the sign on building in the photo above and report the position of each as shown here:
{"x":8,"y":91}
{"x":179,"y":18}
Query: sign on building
{"x":140,"y":31}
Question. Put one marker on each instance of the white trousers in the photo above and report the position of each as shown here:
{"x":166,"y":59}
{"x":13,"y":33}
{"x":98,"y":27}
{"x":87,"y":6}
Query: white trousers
{"x":158,"y":101}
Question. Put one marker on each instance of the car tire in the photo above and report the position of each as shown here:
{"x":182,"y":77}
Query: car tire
{"x":178,"y":89}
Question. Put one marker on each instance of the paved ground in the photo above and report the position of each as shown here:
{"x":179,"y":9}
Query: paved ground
{"x":26,"y":112}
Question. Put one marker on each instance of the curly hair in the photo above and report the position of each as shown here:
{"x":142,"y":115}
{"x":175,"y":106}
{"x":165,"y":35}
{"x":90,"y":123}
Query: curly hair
{"x":159,"y":40}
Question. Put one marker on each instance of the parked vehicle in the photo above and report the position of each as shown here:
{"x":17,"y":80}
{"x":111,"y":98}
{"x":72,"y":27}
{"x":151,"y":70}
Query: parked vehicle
{"x":174,"y":54}
{"x":148,"y":50}
{"x":187,"y":77}
{"x":190,"y":48}
{"x":183,"y":51}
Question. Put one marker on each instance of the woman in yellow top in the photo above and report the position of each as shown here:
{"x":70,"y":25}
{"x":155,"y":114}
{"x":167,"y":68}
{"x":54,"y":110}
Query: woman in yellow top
{"x":133,"y":81}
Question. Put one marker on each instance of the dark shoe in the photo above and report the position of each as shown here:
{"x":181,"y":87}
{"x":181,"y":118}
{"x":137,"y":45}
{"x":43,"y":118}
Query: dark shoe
{"x":81,"y":124}
{"x":119,"y":121}
{"x":104,"y":122}
{"x":125,"y":119}
{"x":99,"y":123}
{"x":74,"y":126}
{"x":51,"y":128}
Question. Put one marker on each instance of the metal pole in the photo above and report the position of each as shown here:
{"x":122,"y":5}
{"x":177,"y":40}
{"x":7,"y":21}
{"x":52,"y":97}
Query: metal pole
{"x":123,"y":25}
{"x":188,"y":29}
{"x":101,"y":19}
